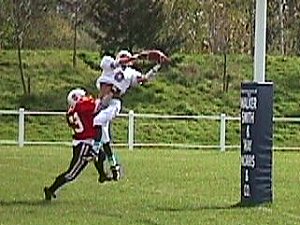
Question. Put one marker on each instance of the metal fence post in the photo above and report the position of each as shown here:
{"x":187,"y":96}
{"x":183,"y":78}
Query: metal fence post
{"x":223,"y":132}
{"x":21,"y":127}
{"x":130,"y":129}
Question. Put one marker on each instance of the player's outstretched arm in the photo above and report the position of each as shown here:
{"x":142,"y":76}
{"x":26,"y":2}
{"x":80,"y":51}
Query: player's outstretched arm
{"x":150,"y":75}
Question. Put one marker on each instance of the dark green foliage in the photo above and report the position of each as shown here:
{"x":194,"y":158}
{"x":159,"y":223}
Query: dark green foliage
{"x":129,"y":24}
{"x":174,"y":25}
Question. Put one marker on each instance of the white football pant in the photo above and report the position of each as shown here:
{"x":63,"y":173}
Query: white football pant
{"x":105,"y":116}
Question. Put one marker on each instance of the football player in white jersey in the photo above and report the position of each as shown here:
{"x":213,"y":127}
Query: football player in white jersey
{"x":116,"y":78}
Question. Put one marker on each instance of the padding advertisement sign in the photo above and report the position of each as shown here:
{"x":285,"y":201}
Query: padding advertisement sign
{"x":256,"y":106}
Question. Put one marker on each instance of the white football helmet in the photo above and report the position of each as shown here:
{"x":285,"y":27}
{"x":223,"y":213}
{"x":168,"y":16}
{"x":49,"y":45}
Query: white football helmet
{"x":122,"y":54}
{"x":74,"y":96}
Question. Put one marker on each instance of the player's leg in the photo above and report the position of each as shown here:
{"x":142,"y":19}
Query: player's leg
{"x":99,"y":164}
{"x":114,"y":166}
{"x":77,"y":164}
{"x":106,"y":140}
{"x":104,"y":118}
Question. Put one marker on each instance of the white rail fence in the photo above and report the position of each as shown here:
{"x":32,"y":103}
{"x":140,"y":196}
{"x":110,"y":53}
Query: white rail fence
{"x":222,"y":118}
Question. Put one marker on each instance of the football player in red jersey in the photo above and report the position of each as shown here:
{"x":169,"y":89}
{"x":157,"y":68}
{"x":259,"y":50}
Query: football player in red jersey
{"x":80,"y":117}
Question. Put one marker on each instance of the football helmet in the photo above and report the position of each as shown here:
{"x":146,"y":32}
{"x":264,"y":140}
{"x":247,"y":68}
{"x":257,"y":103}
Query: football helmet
{"x":123,"y":54}
{"x":74,"y":96}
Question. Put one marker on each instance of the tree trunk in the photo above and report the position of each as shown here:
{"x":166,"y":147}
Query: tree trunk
{"x":21,"y":66}
{"x":282,"y":44}
{"x":224,"y":71}
{"x":75,"y":35}
{"x":252,"y":16}
{"x":28,"y":85}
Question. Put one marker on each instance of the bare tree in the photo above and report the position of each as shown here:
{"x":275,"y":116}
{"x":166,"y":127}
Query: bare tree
{"x":75,"y":9}
{"x":21,"y":13}
{"x":281,"y":18}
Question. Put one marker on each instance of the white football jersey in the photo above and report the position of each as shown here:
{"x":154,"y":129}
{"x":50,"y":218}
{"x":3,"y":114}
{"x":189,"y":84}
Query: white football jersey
{"x":122,"y":77}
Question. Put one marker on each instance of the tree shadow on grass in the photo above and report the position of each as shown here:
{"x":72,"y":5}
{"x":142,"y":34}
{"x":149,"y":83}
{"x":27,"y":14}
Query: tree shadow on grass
{"x":15,"y":202}
{"x":41,"y":203}
{"x":203,"y":207}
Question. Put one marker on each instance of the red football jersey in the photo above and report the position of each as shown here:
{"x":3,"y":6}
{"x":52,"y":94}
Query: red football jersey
{"x":80,"y":118}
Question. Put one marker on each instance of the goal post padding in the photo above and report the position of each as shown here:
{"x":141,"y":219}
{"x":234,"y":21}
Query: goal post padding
{"x":256,"y":142}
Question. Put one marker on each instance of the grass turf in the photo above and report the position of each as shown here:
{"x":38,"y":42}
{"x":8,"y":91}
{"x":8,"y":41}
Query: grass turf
{"x":161,"y":187}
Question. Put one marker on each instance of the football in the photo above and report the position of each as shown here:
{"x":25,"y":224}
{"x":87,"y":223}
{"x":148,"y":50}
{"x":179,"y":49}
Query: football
{"x":154,"y":55}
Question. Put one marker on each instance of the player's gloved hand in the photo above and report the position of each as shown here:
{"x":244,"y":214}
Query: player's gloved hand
{"x":156,"y":68}
{"x":152,"y":72}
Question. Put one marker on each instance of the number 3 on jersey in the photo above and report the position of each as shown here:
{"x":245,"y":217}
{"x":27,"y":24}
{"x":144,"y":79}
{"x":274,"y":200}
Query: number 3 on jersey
{"x":76,"y":123}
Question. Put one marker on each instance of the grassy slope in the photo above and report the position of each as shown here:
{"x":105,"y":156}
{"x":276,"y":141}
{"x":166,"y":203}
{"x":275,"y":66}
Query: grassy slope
{"x":193,"y":87}
{"x":51,"y":74}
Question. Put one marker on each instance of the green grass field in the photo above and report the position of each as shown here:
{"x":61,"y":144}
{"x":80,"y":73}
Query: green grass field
{"x":161,"y":187}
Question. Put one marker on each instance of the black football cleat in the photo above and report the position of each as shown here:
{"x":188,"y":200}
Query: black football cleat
{"x":116,"y":172}
{"x":104,"y":178}
{"x":48,"y":194}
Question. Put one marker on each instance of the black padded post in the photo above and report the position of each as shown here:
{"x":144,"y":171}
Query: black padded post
{"x":256,"y":142}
